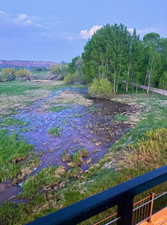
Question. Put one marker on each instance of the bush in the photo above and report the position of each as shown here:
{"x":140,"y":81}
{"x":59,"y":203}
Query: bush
{"x":56,"y":69}
{"x":58,"y":72}
{"x":71,"y":78}
{"x":101,"y":88}
{"x":7,"y":74}
{"x":23,"y":74}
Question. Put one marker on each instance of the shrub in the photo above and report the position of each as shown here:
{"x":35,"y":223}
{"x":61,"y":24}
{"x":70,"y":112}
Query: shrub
{"x":23,"y":74}
{"x":101,"y":88}
{"x":7,"y":74}
{"x":71,"y":78}
{"x":56,"y":69}
{"x":59,"y":71}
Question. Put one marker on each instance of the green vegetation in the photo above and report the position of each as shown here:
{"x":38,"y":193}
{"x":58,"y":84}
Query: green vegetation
{"x":101,"y":88}
{"x":116,"y":54}
{"x":11,"y":74}
{"x":23,"y":74}
{"x":19,"y":94}
{"x":15,"y":88}
{"x":149,"y":152}
{"x":13,"y":153}
{"x":75,"y":69}
{"x":142,"y":149}
{"x":56,"y":131}
{"x":7,"y":75}
{"x":70,"y":78}
{"x":77,"y":159}
{"x":57,"y":108}
{"x":112,"y":59}
{"x":12,"y":122}
{"x":123,"y":58}
{"x":47,"y":178}
{"x":59,"y":71}
{"x":121,"y":117}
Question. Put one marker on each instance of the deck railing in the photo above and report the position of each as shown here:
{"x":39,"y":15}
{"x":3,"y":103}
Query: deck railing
{"x":121,"y":196}
{"x":143,"y":210}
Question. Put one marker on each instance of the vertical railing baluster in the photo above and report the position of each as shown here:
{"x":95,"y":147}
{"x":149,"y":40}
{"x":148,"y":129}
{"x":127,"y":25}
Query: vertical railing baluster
{"x":152,"y":196}
{"x":125,"y":211}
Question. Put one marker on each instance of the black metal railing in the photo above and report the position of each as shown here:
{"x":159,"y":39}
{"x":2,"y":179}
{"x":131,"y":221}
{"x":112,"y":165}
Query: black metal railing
{"x":121,"y":195}
{"x":143,"y":210}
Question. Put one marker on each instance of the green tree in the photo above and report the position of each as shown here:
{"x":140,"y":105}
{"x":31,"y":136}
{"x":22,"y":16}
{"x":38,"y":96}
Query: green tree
{"x":153,"y":59}
{"x":112,"y":53}
{"x":123,"y":57}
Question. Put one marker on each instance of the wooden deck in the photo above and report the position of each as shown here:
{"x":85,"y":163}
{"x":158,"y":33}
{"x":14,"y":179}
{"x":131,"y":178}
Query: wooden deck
{"x":159,"y":218}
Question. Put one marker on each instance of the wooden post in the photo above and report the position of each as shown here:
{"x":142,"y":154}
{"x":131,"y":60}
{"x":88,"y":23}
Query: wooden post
{"x":152,"y":196}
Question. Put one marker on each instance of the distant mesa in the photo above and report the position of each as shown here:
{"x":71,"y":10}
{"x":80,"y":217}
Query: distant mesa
{"x":25,"y":64}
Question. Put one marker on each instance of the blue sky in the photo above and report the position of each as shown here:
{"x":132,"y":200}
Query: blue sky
{"x":57,"y":30}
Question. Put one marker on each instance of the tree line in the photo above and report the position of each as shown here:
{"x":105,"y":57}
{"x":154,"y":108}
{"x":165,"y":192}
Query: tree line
{"x":123,"y":57}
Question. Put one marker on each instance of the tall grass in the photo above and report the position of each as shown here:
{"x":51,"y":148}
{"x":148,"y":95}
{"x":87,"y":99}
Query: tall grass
{"x":11,"y":151}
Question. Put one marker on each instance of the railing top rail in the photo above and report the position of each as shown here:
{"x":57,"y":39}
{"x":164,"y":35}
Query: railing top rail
{"x":91,"y":206}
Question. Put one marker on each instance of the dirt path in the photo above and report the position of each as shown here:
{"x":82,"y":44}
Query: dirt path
{"x":155,"y":90}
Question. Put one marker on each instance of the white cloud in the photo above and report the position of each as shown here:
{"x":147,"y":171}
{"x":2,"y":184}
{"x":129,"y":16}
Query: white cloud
{"x":19,"y":19}
{"x":86,"y":34}
{"x":131,"y":30}
{"x":22,"y":17}
{"x":25,"y":19}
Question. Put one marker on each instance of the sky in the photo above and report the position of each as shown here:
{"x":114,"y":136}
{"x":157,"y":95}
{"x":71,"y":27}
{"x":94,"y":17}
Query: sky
{"x":57,"y":30}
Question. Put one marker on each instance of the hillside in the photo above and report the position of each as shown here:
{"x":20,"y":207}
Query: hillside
{"x":25,"y":63}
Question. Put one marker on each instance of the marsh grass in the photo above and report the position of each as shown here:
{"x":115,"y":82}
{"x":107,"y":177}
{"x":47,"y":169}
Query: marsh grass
{"x":121,"y":117}
{"x":12,"y":122}
{"x":56,"y":131}
{"x":12,"y":152}
{"x":16,"y":88}
{"x":16,"y":95}
{"x":48,"y":177}
{"x":57,"y":108}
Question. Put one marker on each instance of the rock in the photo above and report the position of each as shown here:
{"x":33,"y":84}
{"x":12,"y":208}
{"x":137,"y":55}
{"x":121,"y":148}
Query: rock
{"x":60,"y":171}
{"x":17,"y":160}
{"x":66,"y":157}
{"x":97,"y":150}
{"x":71,"y":164}
{"x":89,"y":161}
{"x":98,"y":143}
{"x":56,"y":77}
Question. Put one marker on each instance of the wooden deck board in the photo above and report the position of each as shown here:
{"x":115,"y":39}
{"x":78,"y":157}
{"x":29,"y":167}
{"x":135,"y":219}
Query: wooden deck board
{"x":159,"y":218}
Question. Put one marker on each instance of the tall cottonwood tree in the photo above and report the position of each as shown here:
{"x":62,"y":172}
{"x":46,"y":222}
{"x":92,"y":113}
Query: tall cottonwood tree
{"x":113,"y":53}
{"x":123,"y":57}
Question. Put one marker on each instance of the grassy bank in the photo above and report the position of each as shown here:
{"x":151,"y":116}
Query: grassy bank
{"x":16,"y":158}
